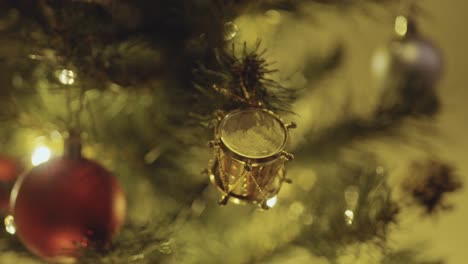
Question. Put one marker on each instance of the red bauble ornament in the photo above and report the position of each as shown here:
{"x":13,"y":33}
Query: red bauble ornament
{"x":10,"y":169}
{"x":67,"y":203}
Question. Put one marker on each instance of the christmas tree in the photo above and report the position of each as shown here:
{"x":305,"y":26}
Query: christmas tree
{"x":217,"y":131}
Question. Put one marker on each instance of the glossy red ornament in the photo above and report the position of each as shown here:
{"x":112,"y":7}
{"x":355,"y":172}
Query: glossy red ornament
{"x":67,"y":203}
{"x":10,"y":169}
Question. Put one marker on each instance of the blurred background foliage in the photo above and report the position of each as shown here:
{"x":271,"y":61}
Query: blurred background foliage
{"x":137,"y":78}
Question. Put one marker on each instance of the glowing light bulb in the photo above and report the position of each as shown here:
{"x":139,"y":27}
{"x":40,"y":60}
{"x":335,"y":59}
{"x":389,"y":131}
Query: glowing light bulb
{"x":67,"y":77}
{"x":401,"y":26}
{"x":272,"y":201}
{"x":40,"y":155}
{"x":349,"y":217}
{"x":10,"y":225}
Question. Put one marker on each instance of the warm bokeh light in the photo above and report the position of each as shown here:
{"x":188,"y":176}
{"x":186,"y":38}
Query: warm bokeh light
{"x":10,"y":225}
{"x":380,"y":63}
{"x":67,"y":77}
{"x":272,"y":201}
{"x":296,"y":209}
{"x":349,"y":217}
{"x":40,"y":155}
{"x":401,"y":26}
{"x":236,"y":201}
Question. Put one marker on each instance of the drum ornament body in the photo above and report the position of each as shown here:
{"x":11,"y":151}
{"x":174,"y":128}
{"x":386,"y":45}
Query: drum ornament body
{"x":249,"y":156}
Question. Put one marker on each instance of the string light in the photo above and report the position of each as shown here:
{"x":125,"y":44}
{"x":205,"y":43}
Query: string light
{"x":40,"y":155}
{"x":401,"y":26}
{"x":67,"y":77}
{"x":272,"y":201}
{"x":349,"y":217}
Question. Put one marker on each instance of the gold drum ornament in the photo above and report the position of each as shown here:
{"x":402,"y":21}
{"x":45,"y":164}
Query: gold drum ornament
{"x":249,"y":157}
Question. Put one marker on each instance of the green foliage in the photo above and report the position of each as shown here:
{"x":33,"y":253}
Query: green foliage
{"x":147,"y":74}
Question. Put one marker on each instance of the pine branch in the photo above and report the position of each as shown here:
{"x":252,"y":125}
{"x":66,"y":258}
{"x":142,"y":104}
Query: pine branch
{"x":242,"y":81}
{"x":415,"y":101}
{"x":364,"y":191}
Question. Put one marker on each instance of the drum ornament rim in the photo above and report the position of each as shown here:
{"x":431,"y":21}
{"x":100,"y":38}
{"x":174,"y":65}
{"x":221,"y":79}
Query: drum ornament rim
{"x":244,"y":157}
